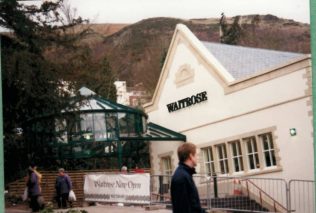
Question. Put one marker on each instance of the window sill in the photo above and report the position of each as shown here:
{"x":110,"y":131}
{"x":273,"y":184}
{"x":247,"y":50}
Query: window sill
{"x":223,"y":175}
{"x":238,"y":173}
{"x":263,"y":171}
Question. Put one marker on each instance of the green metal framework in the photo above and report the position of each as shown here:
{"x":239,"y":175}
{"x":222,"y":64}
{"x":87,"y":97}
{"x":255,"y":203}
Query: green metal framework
{"x":108,"y":132}
{"x":159,"y":133}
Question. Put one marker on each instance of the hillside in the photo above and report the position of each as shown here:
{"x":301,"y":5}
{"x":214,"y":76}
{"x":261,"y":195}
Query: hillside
{"x":136,"y":51}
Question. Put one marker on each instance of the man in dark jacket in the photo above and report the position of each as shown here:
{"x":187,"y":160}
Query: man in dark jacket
{"x":184,"y":194}
{"x":63,"y":186}
{"x":33,"y":187}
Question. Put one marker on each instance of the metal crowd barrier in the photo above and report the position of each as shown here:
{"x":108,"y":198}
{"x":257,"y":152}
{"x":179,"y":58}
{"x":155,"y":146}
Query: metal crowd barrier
{"x":243,"y":194}
{"x":247,"y":194}
{"x":302,"y":196}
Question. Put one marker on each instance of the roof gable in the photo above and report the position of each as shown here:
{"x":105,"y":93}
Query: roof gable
{"x":183,"y":34}
{"x":228,"y":64}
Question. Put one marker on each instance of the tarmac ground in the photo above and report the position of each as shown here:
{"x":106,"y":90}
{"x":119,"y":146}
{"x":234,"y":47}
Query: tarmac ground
{"x":99,"y":208}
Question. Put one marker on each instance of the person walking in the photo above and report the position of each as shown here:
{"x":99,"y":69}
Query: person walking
{"x":63,"y":186}
{"x":33,"y":187}
{"x":184,"y":194}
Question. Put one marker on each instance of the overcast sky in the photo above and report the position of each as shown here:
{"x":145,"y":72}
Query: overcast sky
{"x":131,"y":11}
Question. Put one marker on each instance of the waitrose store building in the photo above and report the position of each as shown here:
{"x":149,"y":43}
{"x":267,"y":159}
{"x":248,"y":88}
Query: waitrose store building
{"x":248,"y":110}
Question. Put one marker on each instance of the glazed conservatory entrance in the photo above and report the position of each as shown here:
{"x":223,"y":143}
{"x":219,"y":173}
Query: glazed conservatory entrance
{"x":101,"y":134}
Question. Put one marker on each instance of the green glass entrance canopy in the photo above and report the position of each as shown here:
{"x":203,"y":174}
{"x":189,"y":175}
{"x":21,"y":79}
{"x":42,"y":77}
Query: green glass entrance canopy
{"x":159,"y":133}
{"x":98,"y":128}
{"x":101,"y":120}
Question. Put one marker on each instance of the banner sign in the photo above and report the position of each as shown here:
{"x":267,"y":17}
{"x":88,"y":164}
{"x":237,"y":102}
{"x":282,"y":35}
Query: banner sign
{"x":124,"y":188}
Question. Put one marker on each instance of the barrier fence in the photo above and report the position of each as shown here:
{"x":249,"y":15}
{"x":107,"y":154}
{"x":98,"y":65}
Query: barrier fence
{"x":301,"y":196}
{"x":243,"y":194}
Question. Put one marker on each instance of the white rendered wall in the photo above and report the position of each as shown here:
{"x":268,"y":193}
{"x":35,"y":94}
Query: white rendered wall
{"x":280,"y":102}
{"x":219,"y":106}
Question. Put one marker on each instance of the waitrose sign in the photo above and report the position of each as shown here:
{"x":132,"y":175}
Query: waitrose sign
{"x":186,"y":102}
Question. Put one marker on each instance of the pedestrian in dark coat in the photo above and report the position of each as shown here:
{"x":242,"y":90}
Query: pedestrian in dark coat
{"x":184,"y":194}
{"x":33,"y":187}
{"x":63,"y":186}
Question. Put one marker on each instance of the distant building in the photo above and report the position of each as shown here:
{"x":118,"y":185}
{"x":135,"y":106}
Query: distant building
{"x":131,"y":96}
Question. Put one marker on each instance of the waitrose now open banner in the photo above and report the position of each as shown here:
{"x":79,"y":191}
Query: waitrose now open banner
{"x":125,"y":188}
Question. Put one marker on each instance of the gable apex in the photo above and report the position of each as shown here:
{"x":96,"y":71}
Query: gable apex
{"x":200,"y":49}
{"x":183,"y":34}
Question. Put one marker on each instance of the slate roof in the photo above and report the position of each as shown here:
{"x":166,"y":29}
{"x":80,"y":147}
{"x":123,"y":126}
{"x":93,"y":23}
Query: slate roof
{"x":242,"y":62}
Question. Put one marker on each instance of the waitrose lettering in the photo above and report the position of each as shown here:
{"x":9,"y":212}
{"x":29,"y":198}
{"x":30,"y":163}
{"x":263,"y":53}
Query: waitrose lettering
{"x":186,"y":102}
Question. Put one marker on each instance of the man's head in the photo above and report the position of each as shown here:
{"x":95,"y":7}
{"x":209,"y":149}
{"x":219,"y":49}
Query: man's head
{"x":187,"y":154}
{"x":61,"y":171}
{"x":32,"y":166}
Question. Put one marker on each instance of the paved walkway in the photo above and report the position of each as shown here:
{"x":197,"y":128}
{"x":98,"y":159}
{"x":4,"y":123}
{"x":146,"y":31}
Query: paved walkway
{"x":97,"y":209}
{"x":117,"y":209}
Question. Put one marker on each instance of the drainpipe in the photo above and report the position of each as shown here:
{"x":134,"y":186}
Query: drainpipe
{"x":215,"y":186}
{"x":120,"y":154}
{"x":313,"y":51}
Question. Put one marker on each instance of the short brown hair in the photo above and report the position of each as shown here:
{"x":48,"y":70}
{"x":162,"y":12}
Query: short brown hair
{"x":184,"y":151}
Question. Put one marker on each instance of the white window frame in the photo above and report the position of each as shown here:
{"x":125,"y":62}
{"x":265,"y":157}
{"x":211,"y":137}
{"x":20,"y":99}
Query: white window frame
{"x":270,"y":151}
{"x":166,"y":169}
{"x":221,"y":150}
{"x":209,"y":162}
{"x":238,"y":156}
{"x":254,"y":153}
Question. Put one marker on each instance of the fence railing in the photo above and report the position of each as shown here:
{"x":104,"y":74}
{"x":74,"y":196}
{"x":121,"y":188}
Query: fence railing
{"x":243,"y":194}
{"x":302,"y":196}
{"x":247,"y":194}
{"x":160,"y":188}
{"x":264,"y":198}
